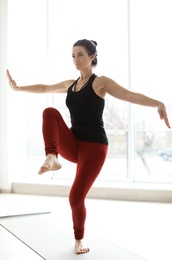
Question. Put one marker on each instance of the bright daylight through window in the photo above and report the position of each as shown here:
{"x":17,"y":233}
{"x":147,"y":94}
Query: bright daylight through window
{"x":134,"y":48}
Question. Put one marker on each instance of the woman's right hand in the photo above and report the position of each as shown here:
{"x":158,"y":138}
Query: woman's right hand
{"x":12,"y":83}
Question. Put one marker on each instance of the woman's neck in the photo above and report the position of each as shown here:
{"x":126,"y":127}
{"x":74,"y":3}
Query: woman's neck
{"x":85,"y":75}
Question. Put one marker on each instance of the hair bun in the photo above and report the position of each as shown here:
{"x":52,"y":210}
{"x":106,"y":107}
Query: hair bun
{"x":95,"y":43}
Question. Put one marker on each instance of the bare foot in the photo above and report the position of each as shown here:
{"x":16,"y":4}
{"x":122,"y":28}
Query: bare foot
{"x":50,"y":164}
{"x":80,"y":247}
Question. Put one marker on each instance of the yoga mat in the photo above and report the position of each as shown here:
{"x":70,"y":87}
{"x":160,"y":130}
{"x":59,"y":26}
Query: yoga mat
{"x":14,"y":205}
{"x":52,"y":238}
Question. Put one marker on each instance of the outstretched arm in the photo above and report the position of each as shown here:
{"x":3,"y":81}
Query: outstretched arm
{"x":40,"y":88}
{"x":119,"y":92}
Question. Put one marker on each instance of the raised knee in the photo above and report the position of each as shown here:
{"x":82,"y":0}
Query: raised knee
{"x":49,"y":110}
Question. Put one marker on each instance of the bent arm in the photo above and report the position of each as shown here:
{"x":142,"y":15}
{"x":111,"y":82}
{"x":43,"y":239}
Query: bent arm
{"x":119,"y":92}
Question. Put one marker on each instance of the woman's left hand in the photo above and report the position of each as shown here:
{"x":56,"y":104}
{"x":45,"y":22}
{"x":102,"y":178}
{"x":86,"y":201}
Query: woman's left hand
{"x":163,"y":114}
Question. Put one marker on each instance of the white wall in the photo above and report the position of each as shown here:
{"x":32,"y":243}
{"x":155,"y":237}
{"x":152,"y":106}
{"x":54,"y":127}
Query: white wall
{"x":4,"y":174}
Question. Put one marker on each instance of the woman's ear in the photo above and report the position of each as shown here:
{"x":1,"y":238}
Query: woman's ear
{"x":93,"y":56}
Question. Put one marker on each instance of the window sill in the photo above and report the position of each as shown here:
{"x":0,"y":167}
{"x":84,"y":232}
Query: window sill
{"x":100,"y":190}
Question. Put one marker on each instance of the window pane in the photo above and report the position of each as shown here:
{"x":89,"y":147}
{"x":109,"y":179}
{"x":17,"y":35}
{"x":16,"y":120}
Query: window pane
{"x":27,"y":62}
{"x":41,"y":53}
{"x":151,"y":63}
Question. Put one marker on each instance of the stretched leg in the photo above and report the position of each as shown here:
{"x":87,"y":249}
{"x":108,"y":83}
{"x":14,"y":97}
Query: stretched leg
{"x":58,"y":139}
{"x":91,"y":157}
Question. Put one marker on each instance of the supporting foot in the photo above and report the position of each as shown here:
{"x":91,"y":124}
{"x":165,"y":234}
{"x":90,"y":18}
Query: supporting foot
{"x":80,"y":247}
{"x":50,"y":164}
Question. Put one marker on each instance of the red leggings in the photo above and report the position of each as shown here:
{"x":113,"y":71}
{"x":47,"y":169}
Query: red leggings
{"x":89,"y":157}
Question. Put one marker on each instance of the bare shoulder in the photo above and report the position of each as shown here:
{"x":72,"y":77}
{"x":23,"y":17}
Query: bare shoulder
{"x":102,"y":84}
{"x":69,"y":82}
{"x":105,"y":85}
{"x":61,"y":87}
{"x":98,"y":86}
{"x":99,"y":81}
{"x":104,"y":81}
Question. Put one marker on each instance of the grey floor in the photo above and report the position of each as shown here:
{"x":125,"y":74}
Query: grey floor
{"x":37,"y":227}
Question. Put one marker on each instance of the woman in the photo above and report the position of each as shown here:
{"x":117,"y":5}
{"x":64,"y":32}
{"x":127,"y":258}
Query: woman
{"x":85,"y":143}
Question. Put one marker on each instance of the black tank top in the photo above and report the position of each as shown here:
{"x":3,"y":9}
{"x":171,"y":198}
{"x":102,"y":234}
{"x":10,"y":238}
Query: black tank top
{"x":86,"y":111}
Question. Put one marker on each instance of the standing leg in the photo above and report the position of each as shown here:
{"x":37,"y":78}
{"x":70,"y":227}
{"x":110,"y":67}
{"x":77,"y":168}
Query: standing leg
{"x":91,"y":157}
{"x":58,"y":139}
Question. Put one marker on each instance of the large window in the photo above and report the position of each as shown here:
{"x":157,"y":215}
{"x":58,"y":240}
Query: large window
{"x":151,"y":60}
{"x":134,"y":48}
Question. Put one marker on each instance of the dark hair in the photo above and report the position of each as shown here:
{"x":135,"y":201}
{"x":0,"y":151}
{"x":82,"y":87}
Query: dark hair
{"x":90,"y":47}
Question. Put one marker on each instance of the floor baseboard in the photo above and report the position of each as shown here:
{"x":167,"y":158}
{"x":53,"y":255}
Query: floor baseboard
{"x":118,"y":192}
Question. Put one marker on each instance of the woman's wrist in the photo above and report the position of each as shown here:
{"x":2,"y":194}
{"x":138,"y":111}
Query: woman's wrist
{"x":161,"y":104}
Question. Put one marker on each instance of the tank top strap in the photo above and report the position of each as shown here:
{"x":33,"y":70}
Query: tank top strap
{"x":71,"y":86}
{"x":93,"y":76}
{"x":90,"y":81}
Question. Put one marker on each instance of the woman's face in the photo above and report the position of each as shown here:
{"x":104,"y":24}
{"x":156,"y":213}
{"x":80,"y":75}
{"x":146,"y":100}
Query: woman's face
{"x":81,"y":58}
